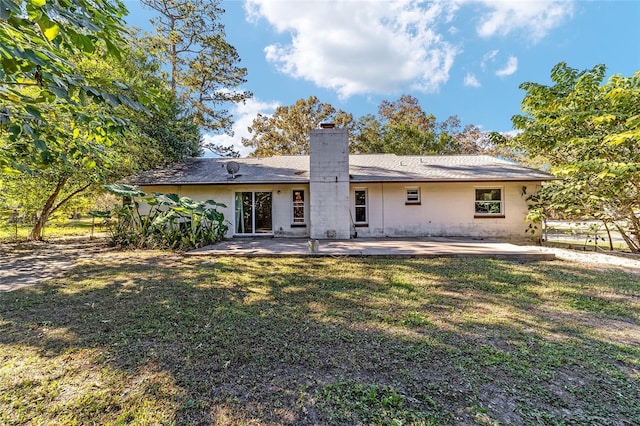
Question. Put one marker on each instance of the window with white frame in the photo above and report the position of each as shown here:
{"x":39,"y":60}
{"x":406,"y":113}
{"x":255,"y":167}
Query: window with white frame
{"x":489,"y":202}
{"x":412,"y":196}
{"x":360,"y":206}
{"x":298,"y":207}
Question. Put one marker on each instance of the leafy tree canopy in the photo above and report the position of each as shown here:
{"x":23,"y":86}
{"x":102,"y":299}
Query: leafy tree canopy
{"x":588,"y":131}
{"x":286,"y":132}
{"x":402,"y":127}
{"x":151,"y":138}
{"x":39,"y":40}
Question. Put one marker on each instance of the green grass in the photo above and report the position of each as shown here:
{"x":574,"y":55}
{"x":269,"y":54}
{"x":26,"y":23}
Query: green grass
{"x":56,"y":228}
{"x":155,"y":338}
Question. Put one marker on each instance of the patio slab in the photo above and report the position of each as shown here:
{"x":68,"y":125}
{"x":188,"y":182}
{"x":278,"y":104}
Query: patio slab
{"x":380,"y":247}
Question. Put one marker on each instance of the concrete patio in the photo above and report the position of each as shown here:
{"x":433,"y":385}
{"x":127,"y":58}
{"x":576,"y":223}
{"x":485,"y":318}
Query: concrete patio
{"x":380,"y":247}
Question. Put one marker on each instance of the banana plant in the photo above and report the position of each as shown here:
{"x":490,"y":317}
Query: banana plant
{"x":172,"y":222}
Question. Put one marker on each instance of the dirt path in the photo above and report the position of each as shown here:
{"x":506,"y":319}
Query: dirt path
{"x":28,"y":263}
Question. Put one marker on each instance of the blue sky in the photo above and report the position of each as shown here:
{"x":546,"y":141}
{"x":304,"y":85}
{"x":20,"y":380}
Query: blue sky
{"x":461,"y":57}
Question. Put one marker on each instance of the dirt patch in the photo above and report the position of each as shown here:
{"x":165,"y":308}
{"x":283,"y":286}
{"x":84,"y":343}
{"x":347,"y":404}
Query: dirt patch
{"x":29,"y":263}
{"x":614,"y":260}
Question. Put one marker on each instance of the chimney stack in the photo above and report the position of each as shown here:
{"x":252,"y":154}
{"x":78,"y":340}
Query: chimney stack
{"x":329,"y":183}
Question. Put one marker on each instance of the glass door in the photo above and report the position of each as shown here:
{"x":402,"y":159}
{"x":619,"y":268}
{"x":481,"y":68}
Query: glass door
{"x":253,"y":213}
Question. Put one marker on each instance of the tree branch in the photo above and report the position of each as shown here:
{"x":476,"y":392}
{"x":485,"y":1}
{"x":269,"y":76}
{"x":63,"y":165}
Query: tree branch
{"x":68,"y":197}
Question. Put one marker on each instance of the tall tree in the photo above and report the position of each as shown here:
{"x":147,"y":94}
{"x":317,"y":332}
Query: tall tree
{"x":402,"y":127}
{"x":588,"y":131}
{"x":286,"y":132}
{"x":368,"y":137}
{"x":203,"y":69}
{"x":85,"y":160}
{"x":406,"y":111}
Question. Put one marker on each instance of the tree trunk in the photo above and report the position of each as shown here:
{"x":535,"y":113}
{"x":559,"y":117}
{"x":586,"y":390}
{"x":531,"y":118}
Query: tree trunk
{"x":633,"y":246}
{"x":49,"y":208}
{"x":608,"y":234}
{"x":36,"y":231}
{"x":635,"y":228}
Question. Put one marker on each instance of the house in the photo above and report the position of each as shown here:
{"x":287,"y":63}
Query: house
{"x":330,"y":194}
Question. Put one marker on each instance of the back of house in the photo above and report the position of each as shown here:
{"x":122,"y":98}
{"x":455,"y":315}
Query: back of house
{"x":330,"y":194}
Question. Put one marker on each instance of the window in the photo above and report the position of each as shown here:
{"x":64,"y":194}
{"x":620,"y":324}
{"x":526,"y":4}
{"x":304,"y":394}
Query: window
{"x":298,"y":207}
{"x":412,"y":196}
{"x":360,"y":198}
{"x":489,"y":202}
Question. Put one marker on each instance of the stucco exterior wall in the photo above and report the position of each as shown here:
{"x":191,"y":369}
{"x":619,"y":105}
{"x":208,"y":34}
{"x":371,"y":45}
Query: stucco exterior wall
{"x":282,"y":210}
{"x":445,"y":209}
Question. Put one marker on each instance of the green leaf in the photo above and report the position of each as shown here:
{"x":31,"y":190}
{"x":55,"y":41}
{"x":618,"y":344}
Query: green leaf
{"x":38,"y":3}
{"x":51,"y":32}
{"x":125,"y":190}
{"x":8,"y":8}
{"x":40,"y":145}
{"x":102,"y":214}
{"x":34,"y":112}
{"x":168,"y":199}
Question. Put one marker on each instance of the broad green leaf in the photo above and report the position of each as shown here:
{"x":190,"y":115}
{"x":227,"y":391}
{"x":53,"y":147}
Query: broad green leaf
{"x":34,"y":112}
{"x":168,"y":199}
{"x":102,"y":214}
{"x":214,"y":204}
{"x":125,"y":190}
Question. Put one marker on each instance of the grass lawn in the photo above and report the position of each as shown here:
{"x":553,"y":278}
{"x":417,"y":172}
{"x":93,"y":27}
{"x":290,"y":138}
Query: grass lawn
{"x":56,"y":228}
{"x":155,"y":338}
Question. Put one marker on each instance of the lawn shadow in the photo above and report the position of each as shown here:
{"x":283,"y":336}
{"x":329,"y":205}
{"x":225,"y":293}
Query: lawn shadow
{"x":281,"y":341}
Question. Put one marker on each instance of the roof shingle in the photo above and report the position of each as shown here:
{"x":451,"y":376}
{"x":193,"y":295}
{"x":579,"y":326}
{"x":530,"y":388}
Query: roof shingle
{"x":362,"y":168}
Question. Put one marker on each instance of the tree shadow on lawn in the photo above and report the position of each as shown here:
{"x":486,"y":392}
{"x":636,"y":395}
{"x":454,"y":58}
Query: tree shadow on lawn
{"x":312,"y":341}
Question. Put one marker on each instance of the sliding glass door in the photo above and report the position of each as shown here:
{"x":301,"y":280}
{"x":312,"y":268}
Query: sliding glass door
{"x":253,"y":213}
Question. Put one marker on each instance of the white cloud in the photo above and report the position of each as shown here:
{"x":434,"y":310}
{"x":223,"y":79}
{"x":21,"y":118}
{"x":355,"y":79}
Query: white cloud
{"x":487,"y":58}
{"x":243,"y":115}
{"x":535,"y":18}
{"x":510,"y":68}
{"x":356,"y":47}
{"x":471,"y":80}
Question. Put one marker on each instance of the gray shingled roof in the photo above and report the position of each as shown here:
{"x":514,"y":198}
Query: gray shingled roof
{"x":362,"y":168}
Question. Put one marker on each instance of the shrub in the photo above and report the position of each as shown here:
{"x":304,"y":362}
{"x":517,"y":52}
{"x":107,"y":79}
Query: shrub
{"x":172,"y":222}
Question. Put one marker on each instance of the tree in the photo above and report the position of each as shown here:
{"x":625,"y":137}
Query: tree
{"x":39,"y":39}
{"x":588,"y":131}
{"x":202,"y":65}
{"x":368,"y":136}
{"x":86,"y":160}
{"x":404,"y":128}
{"x":286,"y":132}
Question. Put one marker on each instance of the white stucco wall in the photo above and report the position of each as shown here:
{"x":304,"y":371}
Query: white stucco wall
{"x":445,"y":209}
{"x":282,"y":196}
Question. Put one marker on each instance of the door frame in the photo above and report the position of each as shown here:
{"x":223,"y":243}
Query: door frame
{"x":253,"y":214}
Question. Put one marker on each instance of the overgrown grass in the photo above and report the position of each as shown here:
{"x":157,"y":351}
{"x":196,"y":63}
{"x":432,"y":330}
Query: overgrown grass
{"x":153,"y":338}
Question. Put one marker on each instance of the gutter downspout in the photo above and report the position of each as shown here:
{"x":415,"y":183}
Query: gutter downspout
{"x":384,"y":232}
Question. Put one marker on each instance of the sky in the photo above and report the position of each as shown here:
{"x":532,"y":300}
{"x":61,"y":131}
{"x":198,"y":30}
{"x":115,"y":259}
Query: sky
{"x":457,"y":57}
